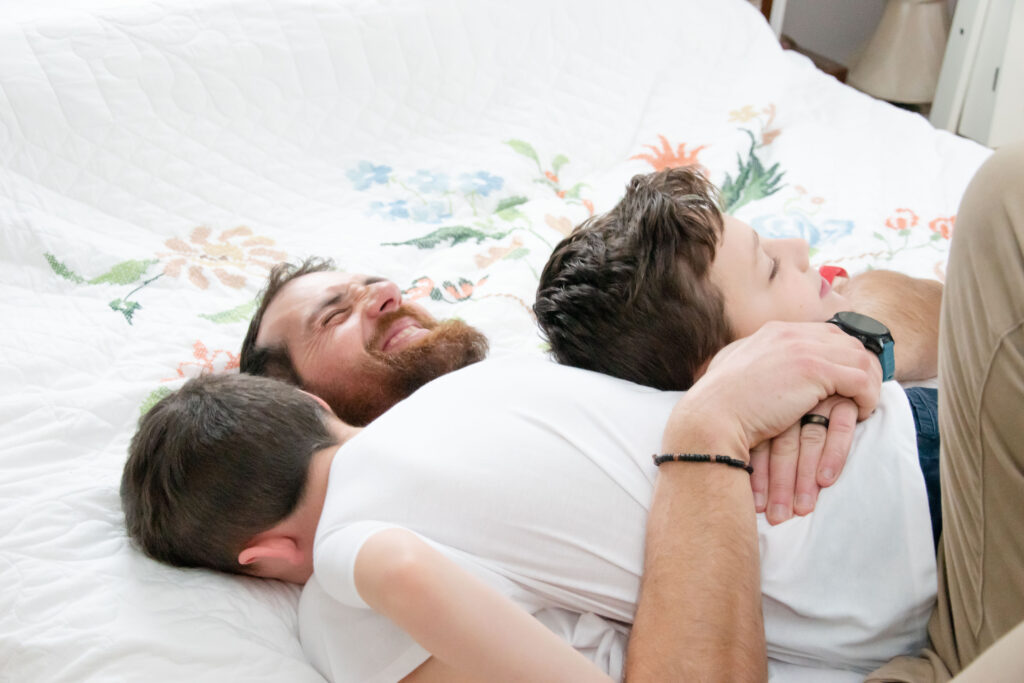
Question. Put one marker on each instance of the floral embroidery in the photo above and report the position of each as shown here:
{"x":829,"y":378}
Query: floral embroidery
{"x":366,"y":174}
{"x":205,"y":361}
{"x":943,"y":226}
{"x":495,"y":254}
{"x":481,"y":183}
{"x":236,"y":249}
{"x":666,"y":157}
{"x":561,"y":224}
{"x":549,"y":176}
{"x":449,"y":292}
{"x":902,"y":219}
{"x":397,"y":209}
{"x":428,"y":182}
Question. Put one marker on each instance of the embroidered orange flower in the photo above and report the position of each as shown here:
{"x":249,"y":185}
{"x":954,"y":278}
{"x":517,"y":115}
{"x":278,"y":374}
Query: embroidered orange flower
{"x":590,"y":206}
{"x":943,"y":225}
{"x":236,"y":249}
{"x":561,"y":223}
{"x":219,"y":360}
{"x":903,"y":219}
{"x":551,"y":176}
{"x":420,"y":288}
{"x":496,"y":253}
{"x":463,"y":289}
{"x":666,"y":157}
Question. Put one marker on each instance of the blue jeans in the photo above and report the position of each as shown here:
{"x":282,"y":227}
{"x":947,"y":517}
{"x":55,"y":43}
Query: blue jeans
{"x":924,"y":403}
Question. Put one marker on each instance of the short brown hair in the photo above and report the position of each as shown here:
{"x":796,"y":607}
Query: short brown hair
{"x":275,"y":361}
{"x":628,"y":292}
{"x":217,"y":462}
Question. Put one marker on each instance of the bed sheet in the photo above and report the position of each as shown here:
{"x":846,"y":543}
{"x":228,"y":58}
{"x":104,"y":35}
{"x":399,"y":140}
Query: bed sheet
{"x":157,"y":158}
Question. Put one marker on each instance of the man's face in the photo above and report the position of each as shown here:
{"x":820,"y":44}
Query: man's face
{"x":766,"y":279}
{"x":354,"y":344}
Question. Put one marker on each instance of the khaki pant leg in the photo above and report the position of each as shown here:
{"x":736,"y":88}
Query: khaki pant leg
{"x":981,"y":421}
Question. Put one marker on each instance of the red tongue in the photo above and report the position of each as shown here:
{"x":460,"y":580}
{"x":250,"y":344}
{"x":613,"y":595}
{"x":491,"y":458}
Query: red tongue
{"x":831,"y":272}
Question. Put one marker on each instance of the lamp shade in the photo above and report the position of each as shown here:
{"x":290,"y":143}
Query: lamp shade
{"x":902,"y":59}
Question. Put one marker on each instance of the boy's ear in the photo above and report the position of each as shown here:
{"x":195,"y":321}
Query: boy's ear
{"x":277,"y":547}
{"x":319,"y":400}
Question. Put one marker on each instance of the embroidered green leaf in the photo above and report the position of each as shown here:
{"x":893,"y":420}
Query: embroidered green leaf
{"x":124,"y":273}
{"x":63,"y":270}
{"x":510,"y":214}
{"x":935,"y":237}
{"x":524,"y":148}
{"x":234,"y":315}
{"x":125,"y":308}
{"x":436,"y":294}
{"x":904,"y":232}
{"x":153,"y":399}
{"x":517,"y":253}
{"x":452,"y":234}
{"x":574,"y":191}
{"x":558,"y":162}
{"x":509,"y":202}
{"x":878,"y":235}
{"x":752,"y":182}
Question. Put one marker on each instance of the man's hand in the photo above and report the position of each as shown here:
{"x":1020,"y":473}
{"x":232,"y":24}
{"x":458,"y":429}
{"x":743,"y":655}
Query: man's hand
{"x":757,"y":387}
{"x":791,"y":469}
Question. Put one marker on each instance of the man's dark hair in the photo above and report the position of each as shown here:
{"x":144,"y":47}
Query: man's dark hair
{"x":628,"y":292}
{"x":275,"y":361}
{"x":217,"y":462}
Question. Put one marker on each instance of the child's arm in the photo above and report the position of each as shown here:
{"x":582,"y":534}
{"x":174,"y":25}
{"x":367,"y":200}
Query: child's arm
{"x":909,"y":307}
{"x":473,"y":632}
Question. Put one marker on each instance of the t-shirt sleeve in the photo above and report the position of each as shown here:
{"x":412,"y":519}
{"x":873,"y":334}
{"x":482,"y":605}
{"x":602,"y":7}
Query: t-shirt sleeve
{"x":334,"y":559}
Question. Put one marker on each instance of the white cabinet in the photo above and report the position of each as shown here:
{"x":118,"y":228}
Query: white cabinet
{"x":980,"y":94}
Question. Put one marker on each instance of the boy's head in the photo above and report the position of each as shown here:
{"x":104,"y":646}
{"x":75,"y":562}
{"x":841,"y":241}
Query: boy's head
{"x":217,"y":462}
{"x":628,"y":289}
{"x":651,"y":290}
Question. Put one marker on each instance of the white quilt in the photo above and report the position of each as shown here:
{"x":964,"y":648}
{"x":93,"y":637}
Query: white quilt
{"x":158,"y":158}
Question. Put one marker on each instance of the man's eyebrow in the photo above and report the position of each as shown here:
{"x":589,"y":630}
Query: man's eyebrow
{"x":324,"y":305}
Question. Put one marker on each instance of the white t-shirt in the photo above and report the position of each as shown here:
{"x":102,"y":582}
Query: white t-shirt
{"x":538,"y":478}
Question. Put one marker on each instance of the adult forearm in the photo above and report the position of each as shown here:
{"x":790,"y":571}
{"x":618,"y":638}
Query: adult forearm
{"x":909,"y":307}
{"x":699,"y":616}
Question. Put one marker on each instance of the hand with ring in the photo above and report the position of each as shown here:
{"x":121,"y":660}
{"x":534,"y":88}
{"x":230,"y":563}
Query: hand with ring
{"x":791,"y":469}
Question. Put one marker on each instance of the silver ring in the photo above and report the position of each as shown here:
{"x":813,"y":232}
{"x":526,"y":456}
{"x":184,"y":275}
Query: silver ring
{"x":813,"y":419}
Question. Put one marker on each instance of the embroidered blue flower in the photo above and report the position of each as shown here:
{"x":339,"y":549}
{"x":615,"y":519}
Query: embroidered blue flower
{"x":426,"y":182}
{"x":431,"y":212}
{"x":481,"y":183}
{"x":796,"y":224}
{"x":390,"y":211}
{"x":366,"y":174}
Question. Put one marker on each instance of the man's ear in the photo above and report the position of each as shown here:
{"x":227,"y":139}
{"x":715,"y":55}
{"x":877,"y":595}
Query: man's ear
{"x":319,"y":400}
{"x":271,"y":547}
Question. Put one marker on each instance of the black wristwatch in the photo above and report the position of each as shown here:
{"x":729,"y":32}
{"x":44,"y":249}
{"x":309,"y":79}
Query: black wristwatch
{"x":872,"y":334}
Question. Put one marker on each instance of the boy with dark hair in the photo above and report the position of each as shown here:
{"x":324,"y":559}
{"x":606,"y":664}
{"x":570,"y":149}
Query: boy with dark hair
{"x":223,"y":456}
{"x":643,"y":291}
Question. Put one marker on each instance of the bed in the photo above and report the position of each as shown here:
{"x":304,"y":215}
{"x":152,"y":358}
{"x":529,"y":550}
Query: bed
{"x":158,"y":158}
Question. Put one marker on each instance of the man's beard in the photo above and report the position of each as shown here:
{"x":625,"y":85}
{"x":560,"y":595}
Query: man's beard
{"x":387,"y":378}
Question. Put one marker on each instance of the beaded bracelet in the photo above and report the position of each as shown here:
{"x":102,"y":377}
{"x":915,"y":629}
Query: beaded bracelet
{"x":703,"y":457}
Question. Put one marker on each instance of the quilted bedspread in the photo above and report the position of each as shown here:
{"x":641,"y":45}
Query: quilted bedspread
{"x":157,"y":159}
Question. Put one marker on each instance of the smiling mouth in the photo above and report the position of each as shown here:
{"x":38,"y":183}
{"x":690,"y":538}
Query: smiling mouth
{"x":403,"y":334}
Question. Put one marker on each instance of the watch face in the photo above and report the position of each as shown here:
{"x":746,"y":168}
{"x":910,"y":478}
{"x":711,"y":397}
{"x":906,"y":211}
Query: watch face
{"x":863,"y":323}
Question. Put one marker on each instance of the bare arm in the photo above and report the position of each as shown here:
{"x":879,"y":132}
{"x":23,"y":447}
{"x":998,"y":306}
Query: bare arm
{"x":909,"y":307}
{"x":699,"y":616}
{"x":473,"y":632}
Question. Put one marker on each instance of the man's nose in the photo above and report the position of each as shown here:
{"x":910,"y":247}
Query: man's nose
{"x":382,"y":297}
